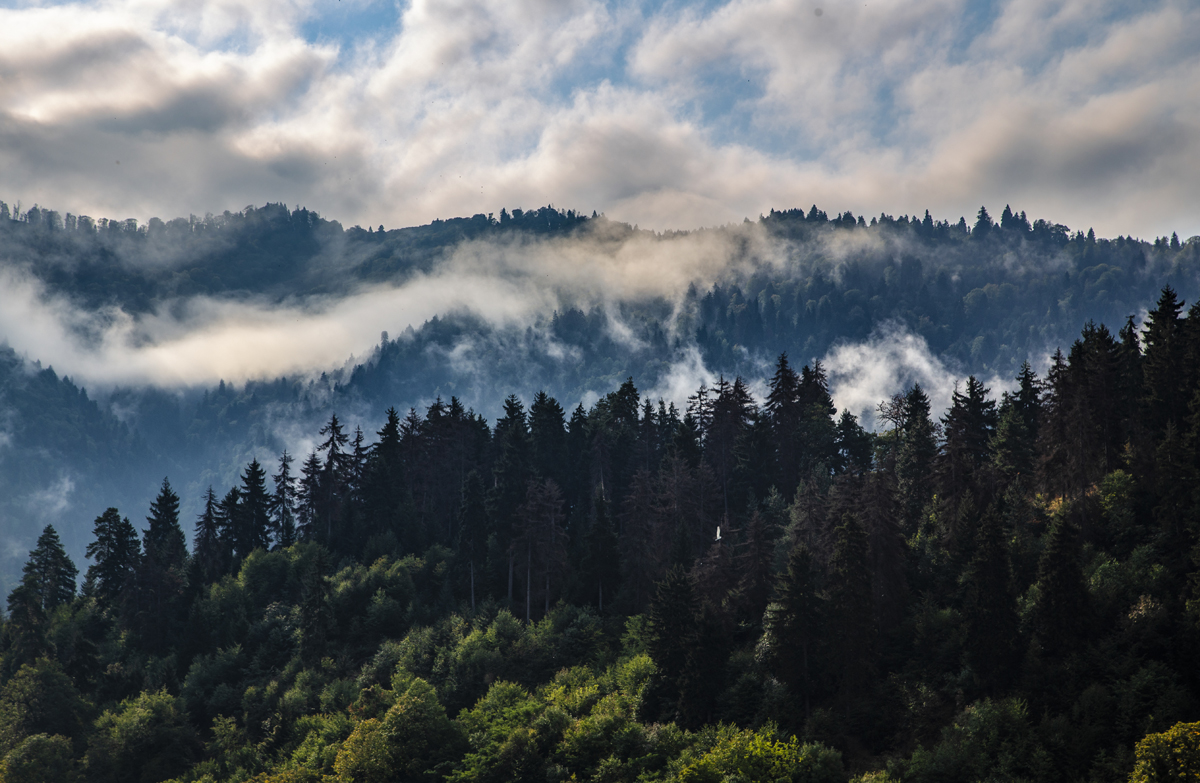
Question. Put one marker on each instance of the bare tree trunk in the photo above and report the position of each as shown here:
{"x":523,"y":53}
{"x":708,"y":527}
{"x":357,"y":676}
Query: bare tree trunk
{"x":472,"y":584}
{"x":528,"y":577}
{"x":510,"y":579}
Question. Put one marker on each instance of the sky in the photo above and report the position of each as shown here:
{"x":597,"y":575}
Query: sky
{"x":663,"y":114}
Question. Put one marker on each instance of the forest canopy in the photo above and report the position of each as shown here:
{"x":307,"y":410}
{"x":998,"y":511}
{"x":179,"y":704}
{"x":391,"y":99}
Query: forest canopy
{"x":745,"y":587}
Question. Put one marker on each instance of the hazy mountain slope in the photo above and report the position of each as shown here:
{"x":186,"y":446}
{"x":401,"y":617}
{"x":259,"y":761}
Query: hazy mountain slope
{"x":589,"y":303}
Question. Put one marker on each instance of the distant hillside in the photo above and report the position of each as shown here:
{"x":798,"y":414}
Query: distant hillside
{"x":984,"y":296}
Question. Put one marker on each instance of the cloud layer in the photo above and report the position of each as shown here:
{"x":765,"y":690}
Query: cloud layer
{"x":669,"y":115}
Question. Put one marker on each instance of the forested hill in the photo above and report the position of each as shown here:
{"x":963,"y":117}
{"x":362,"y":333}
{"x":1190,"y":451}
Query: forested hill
{"x":739,"y":589}
{"x":985,"y":295}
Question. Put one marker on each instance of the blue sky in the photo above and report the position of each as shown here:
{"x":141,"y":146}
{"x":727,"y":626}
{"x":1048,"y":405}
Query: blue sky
{"x":667,"y":114}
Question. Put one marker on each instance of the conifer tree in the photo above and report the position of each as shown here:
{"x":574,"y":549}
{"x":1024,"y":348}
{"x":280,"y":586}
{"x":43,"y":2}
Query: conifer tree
{"x":914,"y":457}
{"x":115,"y":552}
{"x":473,"y":528}
{"x":1061,"y":609}
{"x":309,"y":498}
{"x":160,"y":575}
{"x":1162,"y":363}
{"x":850,"y":605}
{"x":163,"y":545}
{"x":792,"y":627}
{"x":673,"y":629}
{"x":784,"y":411}
{"x":601,"y":564}
{"x":208,"y":555}
{"x":49,"y":573}
{"x":283,"y":503}
{"x":253,"y":518}
{"x":989,"y":606}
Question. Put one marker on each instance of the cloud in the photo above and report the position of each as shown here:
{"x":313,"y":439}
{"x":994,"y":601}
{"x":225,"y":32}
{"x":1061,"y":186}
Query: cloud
{"x":890,"y":361}
{"x":1081,"y":111}
{"x":505,"y":282}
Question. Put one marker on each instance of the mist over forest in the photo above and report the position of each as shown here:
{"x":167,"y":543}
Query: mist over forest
{"x":189,"y":346}
{"x":545,"y":496}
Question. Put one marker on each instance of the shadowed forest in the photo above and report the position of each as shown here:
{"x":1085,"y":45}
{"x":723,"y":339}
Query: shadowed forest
{"x":742,"y":589}
{"x":983,"y":296}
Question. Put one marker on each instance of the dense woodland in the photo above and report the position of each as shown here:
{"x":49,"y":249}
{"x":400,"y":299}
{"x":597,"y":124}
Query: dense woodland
{"x":984,"y":294}
{"x":744,"y":589}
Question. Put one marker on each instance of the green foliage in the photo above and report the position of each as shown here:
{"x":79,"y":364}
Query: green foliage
{"x":40,"y":699}
{"x":144,"y":739}
{"x":758,"y":756}
{"x":414,"y":740}
{"x":1172,"y":755}
{"x":40,"y":758}
{"x":990,"y":740}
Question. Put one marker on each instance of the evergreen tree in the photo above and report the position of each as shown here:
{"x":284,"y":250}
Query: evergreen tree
{"x":785,"y":412}
{"x":115,"y":552}
{"x":989,"y":606}
{"x":254,"y":517}
{"x":855,"y":445}
{"x":208,"y":554}
{"x":160,"y":575}
{"x":968,"y":427}
{"x":915,"y":457}
{"x":473,"y":526}
{"x":1162,"y":364}
{"x":282,"y":512}
{"x":163,"y":545}
{"x":47,"y":581}
{"x":850,"y":605}
{"x":983,"y":225}
{"x":1061,"y":608}
{"x":673,"y":630}
{"x":49,"y":571}
{"x":792,"y":627}
{"x":601,"y":564}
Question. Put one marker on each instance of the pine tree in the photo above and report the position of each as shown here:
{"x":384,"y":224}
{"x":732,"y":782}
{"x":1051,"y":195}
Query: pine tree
{"x":850,"y":605}
{"x":283,"y":504}
{"x":208,"y":555}
{"x":116,"y":551}
{"x":160,"y":576}
{"x":969,"y":425}
{"x":49,"y":572}
{"x":673,"y":630}
{"x":254,"y":517}
{"x":855,"y":446}
{"x":601,"y":564}
{"x":1061,"y":608}
{"x":1162,"y":364}
{"x":914,"y":458}
{"x":473,"y":527}
{"x":163,"y":545}
{"x":792,"y":627}
{"x":784,"y":411}
{"x":989,"y":607}
{"x":983,"y":224}
{"x":309,"y":498}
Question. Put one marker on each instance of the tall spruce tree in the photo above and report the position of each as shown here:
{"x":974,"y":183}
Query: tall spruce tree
{"x":115,"y":552}
{"x":209,"y":558}
{"x":254,"y":517}
{"x":283,"y":503}
{"x":49,"y":573}
{"x":989,"y":607}
{"x":1162,"y":364}
{"x":473,"y":527}
{"x":1061,"y":610}
{"x":851,"y":625}
{"x":792,"y":628}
